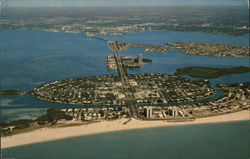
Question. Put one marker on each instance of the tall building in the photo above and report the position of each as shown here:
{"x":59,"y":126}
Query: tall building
{"x":174,"y":112}
{"x":149,"y":111}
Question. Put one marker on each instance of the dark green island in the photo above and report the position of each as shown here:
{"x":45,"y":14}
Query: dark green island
{"x":206,"y":72}
{"x":10,"y":92}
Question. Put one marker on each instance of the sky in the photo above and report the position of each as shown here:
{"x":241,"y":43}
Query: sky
{"x":39,"y":3}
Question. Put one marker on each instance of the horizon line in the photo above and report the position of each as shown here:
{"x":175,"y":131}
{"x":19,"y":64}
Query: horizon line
{"x":125,"y":6}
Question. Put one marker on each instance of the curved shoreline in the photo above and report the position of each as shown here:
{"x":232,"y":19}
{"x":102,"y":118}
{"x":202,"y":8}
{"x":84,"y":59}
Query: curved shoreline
{"x":51,"y":134}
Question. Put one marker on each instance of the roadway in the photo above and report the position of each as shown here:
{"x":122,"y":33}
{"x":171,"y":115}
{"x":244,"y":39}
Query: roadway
{"x":122,"y":72}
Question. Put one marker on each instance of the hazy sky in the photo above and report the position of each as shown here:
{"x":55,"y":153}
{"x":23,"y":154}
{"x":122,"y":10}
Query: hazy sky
{"x":123,"y":2}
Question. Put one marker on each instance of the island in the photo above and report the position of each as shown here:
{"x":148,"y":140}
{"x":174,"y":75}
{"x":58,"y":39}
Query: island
{"x":10,"y":92}
{"x":108,"y":90}
{"x":208,"y":73}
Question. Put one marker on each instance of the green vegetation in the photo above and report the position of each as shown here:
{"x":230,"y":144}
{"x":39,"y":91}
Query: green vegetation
{"x":19,"y":124}
{"x":10,"y":92}
{"x":22,"y":125}
{"x":205,"y":72}
{"x":8,"y":127}
{"x":52,"y":116}
{"x":143,"y":60}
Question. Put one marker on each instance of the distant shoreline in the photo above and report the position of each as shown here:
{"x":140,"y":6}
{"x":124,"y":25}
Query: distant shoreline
{"x":51,"y":134}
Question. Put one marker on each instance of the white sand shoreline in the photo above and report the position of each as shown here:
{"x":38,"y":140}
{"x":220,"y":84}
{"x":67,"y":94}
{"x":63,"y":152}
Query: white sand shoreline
{"x":51,"y":134}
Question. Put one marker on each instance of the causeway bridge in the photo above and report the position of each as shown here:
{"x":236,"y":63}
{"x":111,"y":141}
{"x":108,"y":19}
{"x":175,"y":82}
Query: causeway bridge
{"x":122,"y":72}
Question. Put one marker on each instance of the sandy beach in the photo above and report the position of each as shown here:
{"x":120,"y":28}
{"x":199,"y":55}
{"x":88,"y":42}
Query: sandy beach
{"x":50,"y":134}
